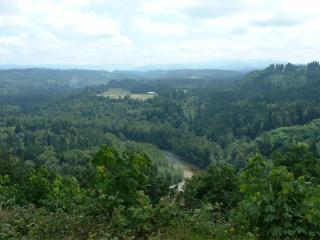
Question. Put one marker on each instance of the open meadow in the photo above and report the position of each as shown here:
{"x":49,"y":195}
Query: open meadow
{"x":118,"y":93}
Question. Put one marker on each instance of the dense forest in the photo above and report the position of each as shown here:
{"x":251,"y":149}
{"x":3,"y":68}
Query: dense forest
{"x":75,"y":164}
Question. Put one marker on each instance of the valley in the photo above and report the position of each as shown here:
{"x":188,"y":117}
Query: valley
{"x":158,"y":153}
{"x":188,"y":169}
{"x":159,"y":120}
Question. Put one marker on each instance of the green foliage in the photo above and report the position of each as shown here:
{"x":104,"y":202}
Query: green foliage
{"x":10,"y":193}
{"x":301,"y":162}
{"x":217,"y":185}
{"x":175,"y":222}
{"x":116,"y":203}
{"x":12,"y":167}
{"x":313,"y":73}
{"x":277,"y":204}
{"x":282,"y":139}
{"x":47,"y":189}
{"x":121,"y":175}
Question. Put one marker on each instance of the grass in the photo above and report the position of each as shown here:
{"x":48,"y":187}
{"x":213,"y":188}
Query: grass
{"x":116,"y":93}
{"x":119,"y":93}
{"x":142,"y":96}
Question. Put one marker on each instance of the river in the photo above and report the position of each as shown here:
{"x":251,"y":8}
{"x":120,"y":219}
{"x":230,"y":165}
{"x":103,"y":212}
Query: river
{"x":188,"y":169}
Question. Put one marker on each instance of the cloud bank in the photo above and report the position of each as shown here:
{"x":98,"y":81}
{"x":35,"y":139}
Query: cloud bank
{"x":137,"y":32}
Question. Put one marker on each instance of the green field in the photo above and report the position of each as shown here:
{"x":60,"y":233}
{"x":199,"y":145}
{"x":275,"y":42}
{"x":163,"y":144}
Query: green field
{"x":118,"y":93}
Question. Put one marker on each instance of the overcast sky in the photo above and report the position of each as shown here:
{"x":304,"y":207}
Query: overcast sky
{"x":137,"y":32}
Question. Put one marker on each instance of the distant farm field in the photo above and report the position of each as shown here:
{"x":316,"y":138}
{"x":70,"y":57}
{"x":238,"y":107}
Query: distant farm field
{"x":118,"y":93}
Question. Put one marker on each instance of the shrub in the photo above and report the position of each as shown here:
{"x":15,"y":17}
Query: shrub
{"x":277,"y":204}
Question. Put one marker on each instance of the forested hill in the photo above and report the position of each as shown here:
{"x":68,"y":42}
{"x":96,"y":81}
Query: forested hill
{"x":202,"y":120}
{"x":282,"y":76}
{"x":42,"y":85}
{"x":281,"y":139}
{"x":31,"y":86}
{"x":84,"y":162}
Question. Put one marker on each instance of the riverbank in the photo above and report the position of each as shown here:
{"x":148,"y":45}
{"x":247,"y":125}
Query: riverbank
{"x":179,"y":162}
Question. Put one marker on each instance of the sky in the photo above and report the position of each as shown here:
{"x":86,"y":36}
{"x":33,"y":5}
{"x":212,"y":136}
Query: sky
{"x":139,"y":32}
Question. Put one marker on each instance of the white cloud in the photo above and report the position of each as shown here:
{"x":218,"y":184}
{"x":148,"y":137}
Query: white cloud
{"x":91,"y":24}
{"x":144,"y":31}
{"x":166,"y":7}
{"x":165,"y":29}
{"x":12,"y":40}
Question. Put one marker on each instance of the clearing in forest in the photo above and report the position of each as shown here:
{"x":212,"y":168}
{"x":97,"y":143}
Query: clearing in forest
{"x":118,"y":93}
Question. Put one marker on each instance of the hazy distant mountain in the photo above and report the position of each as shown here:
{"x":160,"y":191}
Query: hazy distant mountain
{"x":67,"y":66}
{"x":237,"y":65}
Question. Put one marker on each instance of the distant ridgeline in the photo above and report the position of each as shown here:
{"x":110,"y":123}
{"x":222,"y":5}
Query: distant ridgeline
{"x":30,"y":86}
{"x":284,"y":77}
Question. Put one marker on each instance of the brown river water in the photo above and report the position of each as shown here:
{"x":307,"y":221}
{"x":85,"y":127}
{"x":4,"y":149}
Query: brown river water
{"x":188,"y":169}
